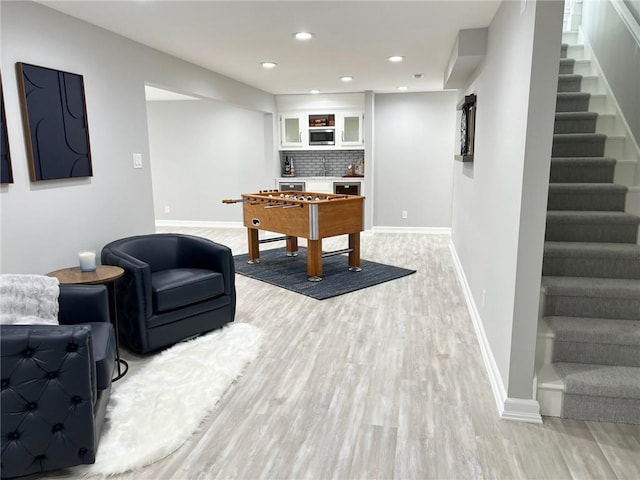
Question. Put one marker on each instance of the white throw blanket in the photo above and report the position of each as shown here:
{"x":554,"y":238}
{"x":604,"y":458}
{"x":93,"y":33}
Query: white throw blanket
{"x":29,"y":299}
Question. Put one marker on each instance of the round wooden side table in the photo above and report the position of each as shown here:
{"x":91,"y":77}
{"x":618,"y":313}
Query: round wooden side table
{"x":102,"y":275}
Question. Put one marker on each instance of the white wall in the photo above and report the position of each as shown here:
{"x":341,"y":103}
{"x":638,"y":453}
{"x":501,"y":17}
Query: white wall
{"x":44,"y":224}
{"x":634,"y":7}
{"x":618,"y":54}
{"x":499,"y":201}
{"x":413,"y":160}
{"x":203,"y":152}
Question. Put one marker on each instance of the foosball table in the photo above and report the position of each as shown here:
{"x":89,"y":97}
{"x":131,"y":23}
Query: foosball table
{"x":309,"y":215}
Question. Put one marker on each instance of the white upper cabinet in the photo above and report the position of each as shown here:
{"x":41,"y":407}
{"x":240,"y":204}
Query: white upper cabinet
{"x":293,"y":130}
{"x":351,"y":129}
{"x":321,"y":130}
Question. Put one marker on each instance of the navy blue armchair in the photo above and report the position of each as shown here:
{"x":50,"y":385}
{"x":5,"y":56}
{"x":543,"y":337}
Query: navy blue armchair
{"x":56,"y":383}
{"x":174,"y":287}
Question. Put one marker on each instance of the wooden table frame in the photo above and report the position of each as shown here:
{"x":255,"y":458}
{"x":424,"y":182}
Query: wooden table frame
{"x":325,"y":215}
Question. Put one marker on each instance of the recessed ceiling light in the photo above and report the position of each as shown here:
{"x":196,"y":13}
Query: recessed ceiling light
{"x":268,"y":64}
{"x":403,"y":88}
{"x":346,"y":78}
{"x":303,"y":35}
{"x":315,"y":91}
{"x":396,"y":58}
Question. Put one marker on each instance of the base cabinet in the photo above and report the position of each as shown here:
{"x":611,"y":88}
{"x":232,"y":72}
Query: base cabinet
{"x":319,"y":186}
{"x":337,"y":185}
{"x":295,"y":186}
{"x":346,"y":188}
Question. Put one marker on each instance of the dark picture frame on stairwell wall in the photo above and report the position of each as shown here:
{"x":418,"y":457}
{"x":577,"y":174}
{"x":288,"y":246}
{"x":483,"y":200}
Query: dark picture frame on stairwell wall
{"x":467,"y":109}
{"x":6,"y":172}
{"x":54,"y":116}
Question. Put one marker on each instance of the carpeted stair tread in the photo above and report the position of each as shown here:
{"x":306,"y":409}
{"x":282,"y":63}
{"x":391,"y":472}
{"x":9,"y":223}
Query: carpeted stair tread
{"x":600,"y":380}
{"x":582,"y":170}
{"x":563,"y":50}
{"x":580,"y":249}
{"x":600,"y":341}
{"x":592,"y":297}
{"x":578,"y":145}
{"x":587,"y":196}
{"x":605,"y":393}
{"x":585,"y":216}
{"x":594,"y":287}
{"x":591,"y":226}
{"x":591,"y":259}
{"x":575,"y":122}
{"x":569,"y":82}
{"x":572,"y":101}
{"x":596,"y":330}
{"x":566,"y":65}
{"x":579,"y":137}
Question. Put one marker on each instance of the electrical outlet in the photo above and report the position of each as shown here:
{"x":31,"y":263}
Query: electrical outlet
{"x":137,"y":160}
{"x":405,"y":214}
{"x":167,"y":209}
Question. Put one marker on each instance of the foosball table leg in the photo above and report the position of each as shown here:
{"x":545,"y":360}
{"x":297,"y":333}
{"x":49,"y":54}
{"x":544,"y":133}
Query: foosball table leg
{"x":254,"y":245}
{"x":292,"y":246}
{"x":354,"y":254}
{"x":314,"y":260}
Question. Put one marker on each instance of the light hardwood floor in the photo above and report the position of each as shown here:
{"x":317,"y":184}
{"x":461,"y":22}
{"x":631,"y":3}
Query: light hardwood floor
{"x":387,"y":382}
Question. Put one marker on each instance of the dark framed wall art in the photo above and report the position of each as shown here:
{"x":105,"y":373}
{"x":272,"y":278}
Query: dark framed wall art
{"x":467,"y":128}
{"x":55,"y":121}
{"x":6,"y":173}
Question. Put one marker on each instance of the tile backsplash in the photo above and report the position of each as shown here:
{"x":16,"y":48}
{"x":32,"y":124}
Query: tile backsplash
{"x":309,"y":163}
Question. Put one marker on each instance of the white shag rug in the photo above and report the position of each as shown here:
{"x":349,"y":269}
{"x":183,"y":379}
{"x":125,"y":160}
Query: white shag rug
{"x":154,"y":410}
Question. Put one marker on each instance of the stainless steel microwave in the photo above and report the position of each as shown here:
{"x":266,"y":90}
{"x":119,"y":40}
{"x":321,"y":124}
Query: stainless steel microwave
{"x":322,"y":136}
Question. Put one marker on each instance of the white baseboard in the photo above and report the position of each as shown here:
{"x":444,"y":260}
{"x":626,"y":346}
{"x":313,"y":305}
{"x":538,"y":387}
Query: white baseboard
{"x":422,"y":230}
{"x":518,"y":409}
{"x":197,"y":224}
{"x":521,"y":410}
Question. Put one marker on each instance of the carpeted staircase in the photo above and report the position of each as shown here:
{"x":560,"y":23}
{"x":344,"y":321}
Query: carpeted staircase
{"x":591,"y":269}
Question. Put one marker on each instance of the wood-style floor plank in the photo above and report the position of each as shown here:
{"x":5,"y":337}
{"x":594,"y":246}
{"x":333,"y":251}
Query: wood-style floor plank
{"x":384,"y":383}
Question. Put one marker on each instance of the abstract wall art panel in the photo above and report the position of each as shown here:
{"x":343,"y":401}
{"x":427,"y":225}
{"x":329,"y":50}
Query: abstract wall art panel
{"x":6,"y":174}
{"x":55,"y":122}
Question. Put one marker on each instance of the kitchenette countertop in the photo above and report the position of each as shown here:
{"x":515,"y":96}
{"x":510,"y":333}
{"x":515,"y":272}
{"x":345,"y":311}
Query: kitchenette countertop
{"x":328,"y":178}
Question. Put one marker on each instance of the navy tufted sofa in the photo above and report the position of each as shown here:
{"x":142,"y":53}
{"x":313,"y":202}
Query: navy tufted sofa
{"x":174,"y":287}
{"x":56,"y":383}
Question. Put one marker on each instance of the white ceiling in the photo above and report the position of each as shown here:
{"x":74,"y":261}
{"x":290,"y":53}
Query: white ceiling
{"x":351,"y":38}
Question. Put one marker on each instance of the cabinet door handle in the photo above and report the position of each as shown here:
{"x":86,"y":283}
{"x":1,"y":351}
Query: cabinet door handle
{"x":299,"y":137}
{"x":342,"y":136}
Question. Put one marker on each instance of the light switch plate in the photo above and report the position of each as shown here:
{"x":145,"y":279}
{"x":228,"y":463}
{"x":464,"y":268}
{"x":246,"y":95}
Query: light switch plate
{"x":137,"y":160}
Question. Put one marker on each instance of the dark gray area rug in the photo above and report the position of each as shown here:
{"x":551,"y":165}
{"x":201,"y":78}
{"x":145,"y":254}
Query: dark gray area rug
{"x":291,"y":273}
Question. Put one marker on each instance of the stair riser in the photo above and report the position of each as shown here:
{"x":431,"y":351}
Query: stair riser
{"x":581,"y":174}
{"x":587,"y":200}
{"x":583,"y":67}
{"x":580,"y":104}
{"x":596,"y":353}
{"x":575,"y":126}
{"x":590,"y":232}
{"x":571,"y":84}
{"x":601,"y":409}
{"x":587,"y":148}
{"x":576,"y":52}
{"x":600,"y":105}
{"x":598,"y":267}
{"x":592,"y":307}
